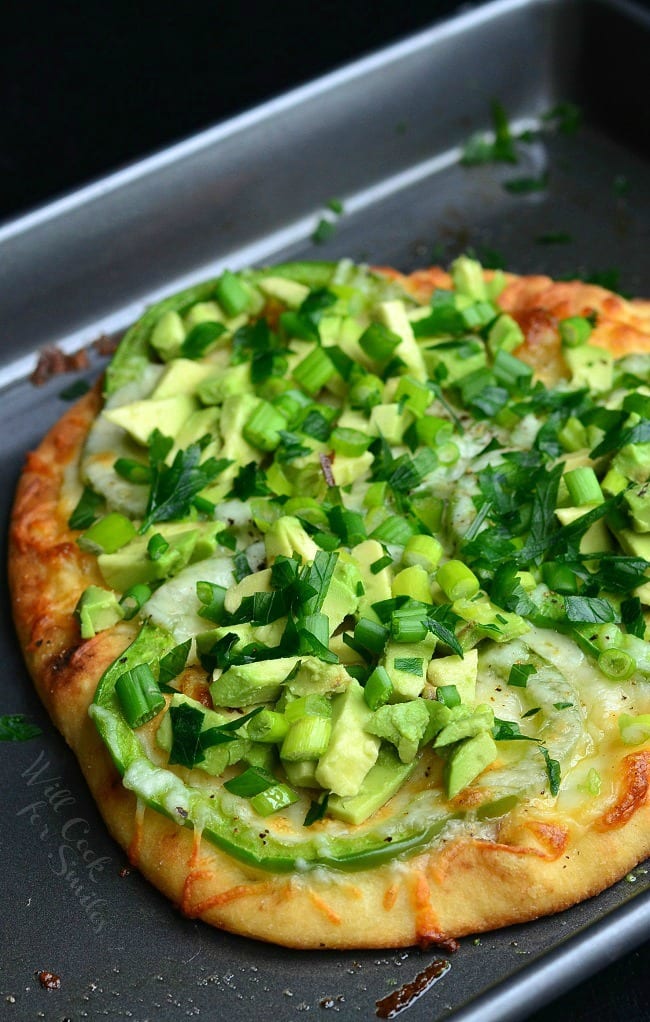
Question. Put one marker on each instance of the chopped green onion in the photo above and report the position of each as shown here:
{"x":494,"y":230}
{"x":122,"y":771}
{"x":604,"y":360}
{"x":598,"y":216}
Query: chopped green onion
{"x":312,"y":705}
{"x":457,"y":581}
{"x":133,"y":471}
{"x":233,"y":296}
{"x":425,"y":551}
{"x":510,"y":371}
{"x":350,"y":442}
{"x":268,"y":726}
{"x":366,"y":390}
{"x":593,"y":783}
{"x":634,"y":729}
{"x":133,"y":599}
{"x":378,"y":688}
{"x":306,"y":739}
{"x":449,"y":695}
{"x":204,"y":506}
{"x":574,"y":331}
{"x":417,"y":396}
{"x":408,"y":626}
{"x":583,"y":486}
{"x":313,"y":371}
{"x":263,"y":427}
{"x":139,"y":695}
{"x":616,"y":664}
{"x":394,"y":530}
{"x":448,"y":454}
{"x":371,"y":635}
{"x":157,"y":546}
{"x":560,"y":577}
{"x":432,"y":430}
{"x":213,"y":599}
{"x":380,"y":564}
{"x":107,"y":535}
{"x":379,"y":342}
{"x":292,"y":403}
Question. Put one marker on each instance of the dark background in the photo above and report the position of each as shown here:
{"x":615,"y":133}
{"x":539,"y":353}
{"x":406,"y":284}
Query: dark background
{"x":89,"y":87}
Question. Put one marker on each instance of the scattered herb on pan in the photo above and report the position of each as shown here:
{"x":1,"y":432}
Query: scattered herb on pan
{"x":326,"y":226}
{"x":526,"y":185}
{"x":497,"y":148}
{"x":75,"y":390}
{"x":15,"y":727}
{"x":553,"y":238}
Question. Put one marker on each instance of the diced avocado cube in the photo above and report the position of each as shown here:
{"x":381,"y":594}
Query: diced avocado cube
{"x":315,"y":677}
{"x":488,"y":620}
{"x":596,"y":538}
{"x":167,"y":335}
{"x":633,"y":461}
{"x":393,"y":315}
{"x":216,"y":387}
{"x":407,"y":664}
{"x":181,"y":376}
{"x":467,"y":761}
{"x":403,"y":725}
{"x":638,"y":501}
{"x":377,"y":585}
{"x":381,"y":782}
{"x":287,"y":536}
{"x":342,"y":596}
{"x":347,"y":469}
{"x":465,"y":724}
{"x":289,"y":292}
{"x":454,"y":670}
{"x":237,"y":408}
{"x":637,"y":545}
{"x":132,"y":565}
{"x":202,"y":422}
{"x":468,"y":278}
{"x":590,"y":367}
{"x":389,"y":421}
{"x":97,"y":610}
{"x":351,"y":751}
{"x":141,"y":418}
{"x":256,"y":582}
{"x":246,"y":684}
{"x":468,"y":356}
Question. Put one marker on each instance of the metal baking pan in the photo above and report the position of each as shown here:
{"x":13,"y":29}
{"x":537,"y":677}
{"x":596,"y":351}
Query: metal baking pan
{"x":384,"y":135}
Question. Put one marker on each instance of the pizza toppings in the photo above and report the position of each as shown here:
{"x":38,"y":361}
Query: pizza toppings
{"x":394,"y":555}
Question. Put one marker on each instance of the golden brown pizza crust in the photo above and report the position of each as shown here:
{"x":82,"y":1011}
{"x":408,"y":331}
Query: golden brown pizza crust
{"x":538,"y":862}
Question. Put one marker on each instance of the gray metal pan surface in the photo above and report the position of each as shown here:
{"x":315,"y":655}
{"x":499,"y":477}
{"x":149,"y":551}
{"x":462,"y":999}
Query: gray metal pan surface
{"x":384,"y":136}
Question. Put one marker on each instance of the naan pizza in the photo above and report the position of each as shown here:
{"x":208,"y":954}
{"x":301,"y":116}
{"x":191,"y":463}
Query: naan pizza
{"x":337,"y":586}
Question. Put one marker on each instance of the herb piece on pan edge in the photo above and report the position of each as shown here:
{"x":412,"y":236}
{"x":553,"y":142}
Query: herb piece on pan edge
{"x":15,"y":727}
